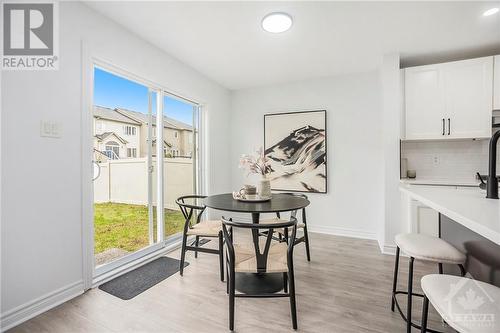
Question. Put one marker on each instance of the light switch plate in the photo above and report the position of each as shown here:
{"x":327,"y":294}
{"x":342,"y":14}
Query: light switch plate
{"x":50,"y":129}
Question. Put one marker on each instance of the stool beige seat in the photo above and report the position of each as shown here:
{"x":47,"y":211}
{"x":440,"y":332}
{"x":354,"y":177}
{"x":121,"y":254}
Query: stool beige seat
{"x":465,"y":304}
{"x":426,"y":248}
{"x":429,"y":248}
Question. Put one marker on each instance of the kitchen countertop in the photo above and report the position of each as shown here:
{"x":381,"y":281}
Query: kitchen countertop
{"x":466,"y":206}
{"x":444,"y":182}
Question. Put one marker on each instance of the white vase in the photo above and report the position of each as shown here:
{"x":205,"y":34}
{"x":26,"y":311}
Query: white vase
{"x":264,"y":187}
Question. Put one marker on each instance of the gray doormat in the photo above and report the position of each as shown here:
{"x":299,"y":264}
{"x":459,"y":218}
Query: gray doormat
{"x":131,"y":284}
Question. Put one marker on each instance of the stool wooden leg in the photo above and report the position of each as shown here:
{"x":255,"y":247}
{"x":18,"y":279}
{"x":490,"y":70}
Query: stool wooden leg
{"x":410,"y":292}
{"x":425,"y":312}
{"x":395,"y":280}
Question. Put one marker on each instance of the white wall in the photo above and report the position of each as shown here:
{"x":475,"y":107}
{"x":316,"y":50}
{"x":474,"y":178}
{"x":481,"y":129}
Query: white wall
{"x":353,"y":205}
{"x":390,"y":76}
{"x":41,"y":250}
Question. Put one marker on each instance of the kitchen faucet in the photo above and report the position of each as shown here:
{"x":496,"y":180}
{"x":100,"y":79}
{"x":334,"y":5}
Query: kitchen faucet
{"x":492,"y":183}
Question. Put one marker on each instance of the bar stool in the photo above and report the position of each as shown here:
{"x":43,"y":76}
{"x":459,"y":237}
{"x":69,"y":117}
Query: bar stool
{"x":426,"y":248}
{"x":448,"y":294}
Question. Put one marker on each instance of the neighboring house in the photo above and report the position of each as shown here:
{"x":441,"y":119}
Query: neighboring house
{"x":121,"y":133}
{"x":116,"y":135}
{"x":177,"y":136}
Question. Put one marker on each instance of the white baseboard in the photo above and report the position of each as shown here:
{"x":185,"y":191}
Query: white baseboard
{"x":389,"y":249}
{"x":338,"y":231}
{"x":35,"y":307}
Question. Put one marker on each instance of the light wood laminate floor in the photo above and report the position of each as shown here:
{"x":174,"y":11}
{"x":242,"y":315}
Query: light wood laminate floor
{"x":345,"y":288}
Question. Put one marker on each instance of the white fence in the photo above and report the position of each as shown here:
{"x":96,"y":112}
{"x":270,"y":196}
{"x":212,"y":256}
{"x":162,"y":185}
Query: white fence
{"x":126,"y":181}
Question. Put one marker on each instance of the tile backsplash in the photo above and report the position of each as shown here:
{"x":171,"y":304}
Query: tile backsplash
{"x":454,"y":160}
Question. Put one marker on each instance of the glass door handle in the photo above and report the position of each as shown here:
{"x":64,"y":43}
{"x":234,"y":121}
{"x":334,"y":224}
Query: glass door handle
{"x":443,"y":127}
{"x":96,"y":170}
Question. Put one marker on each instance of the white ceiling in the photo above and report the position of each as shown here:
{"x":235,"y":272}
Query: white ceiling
{"x":225,"y":42}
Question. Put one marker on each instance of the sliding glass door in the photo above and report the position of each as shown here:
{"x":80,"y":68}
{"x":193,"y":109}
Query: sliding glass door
{"x":180,"y":164}
{"x":124,"y":216}
{"x":139,"y":170}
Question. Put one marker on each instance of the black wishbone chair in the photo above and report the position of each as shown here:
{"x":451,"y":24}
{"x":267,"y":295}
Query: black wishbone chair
{"x":275,"y":257}
{"x":203,"y":229}
{"x":283,"y":232}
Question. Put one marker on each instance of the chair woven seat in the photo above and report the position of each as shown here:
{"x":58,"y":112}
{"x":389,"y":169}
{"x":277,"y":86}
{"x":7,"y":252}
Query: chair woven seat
{"x":245,"y":260}
{"x":278,"y":220}
{"x":209,"y":228}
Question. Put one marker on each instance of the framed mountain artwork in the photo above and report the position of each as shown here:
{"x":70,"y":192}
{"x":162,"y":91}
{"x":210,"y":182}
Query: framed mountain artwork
{"x":295,"y":144}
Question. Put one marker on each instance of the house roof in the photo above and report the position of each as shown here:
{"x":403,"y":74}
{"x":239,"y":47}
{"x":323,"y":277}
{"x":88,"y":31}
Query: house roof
{"x":105,"y":135}
{"x":143,"y":118}
{"x":110,"y":114}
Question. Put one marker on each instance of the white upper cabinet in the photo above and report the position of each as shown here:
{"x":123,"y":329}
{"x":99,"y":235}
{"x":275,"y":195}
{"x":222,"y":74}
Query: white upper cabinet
{"x":424,"y":101}
{"x":449,"y":101}
{"x":496,"y":84}
{"x":469,"y":94}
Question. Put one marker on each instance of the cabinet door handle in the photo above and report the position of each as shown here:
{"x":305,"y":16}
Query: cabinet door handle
{"x":443,"y":126}
{"x":449,"y":126}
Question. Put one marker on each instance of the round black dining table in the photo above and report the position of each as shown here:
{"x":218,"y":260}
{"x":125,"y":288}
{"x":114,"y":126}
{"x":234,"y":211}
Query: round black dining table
{"x":257,"y":283}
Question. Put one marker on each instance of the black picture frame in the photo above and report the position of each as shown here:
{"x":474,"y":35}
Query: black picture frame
{"x":325,"y":145}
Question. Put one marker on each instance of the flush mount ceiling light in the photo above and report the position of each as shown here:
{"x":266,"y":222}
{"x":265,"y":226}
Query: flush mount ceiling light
{"x":277,"y":22}
{"x":491,"y":11}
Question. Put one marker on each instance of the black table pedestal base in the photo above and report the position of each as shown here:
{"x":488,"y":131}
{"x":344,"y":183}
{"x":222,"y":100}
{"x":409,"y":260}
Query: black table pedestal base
{"x":257,"y":284}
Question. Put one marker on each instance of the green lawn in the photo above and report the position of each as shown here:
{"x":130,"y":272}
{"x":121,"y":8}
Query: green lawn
{"x":125,"y":226}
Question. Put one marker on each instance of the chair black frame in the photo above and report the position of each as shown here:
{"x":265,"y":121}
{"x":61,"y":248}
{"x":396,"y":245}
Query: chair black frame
{"x":188,"y":211}
{"x":261,"y":260}
{"x":410,"y":293}
{"x":305,"y":237}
